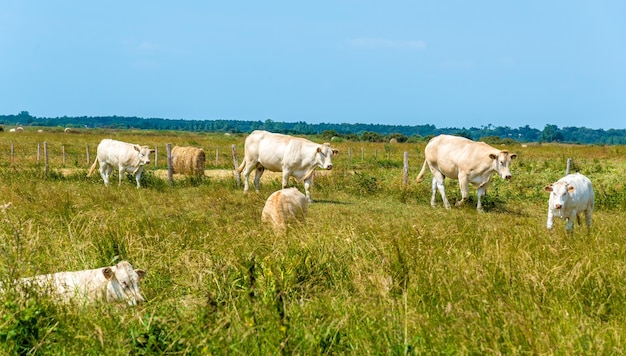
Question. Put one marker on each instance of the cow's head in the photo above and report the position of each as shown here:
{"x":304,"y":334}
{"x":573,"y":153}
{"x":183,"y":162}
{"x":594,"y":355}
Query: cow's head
{"x":123,"y":283}
{"x":324,"y":154}
{"x":559,"y":193}
{"x":503,"y":161}
{"x":143,"y":152}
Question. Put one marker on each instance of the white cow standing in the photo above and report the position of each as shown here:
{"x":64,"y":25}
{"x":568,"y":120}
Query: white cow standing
{"x":293,"y":156}
{"x":119,"y":283}
{"x":466,"y":160}
{"x":570,"y":196}
{"x":283,"y":207}
{"x":127,"y":157}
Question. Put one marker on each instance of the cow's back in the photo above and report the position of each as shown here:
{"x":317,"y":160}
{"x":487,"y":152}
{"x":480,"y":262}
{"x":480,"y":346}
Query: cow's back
{"x":451,"y":154}
{"x":111,"y":151}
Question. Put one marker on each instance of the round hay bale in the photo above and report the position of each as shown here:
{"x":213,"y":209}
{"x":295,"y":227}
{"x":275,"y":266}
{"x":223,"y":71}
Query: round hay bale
{"x":393,"y":140}
{"x":19,"y":129}
{"x":188,"y":160}
{"x":67,"y":130}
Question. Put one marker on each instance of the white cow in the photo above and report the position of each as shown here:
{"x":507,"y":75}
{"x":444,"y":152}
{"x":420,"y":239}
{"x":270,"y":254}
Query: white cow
{"x":466,"y":160}
{"x":293,"y":156}
{"x":570,"y":196}
{"x":284,"y":207}
{"x":127,"y":157}
{"x":119,"y":283}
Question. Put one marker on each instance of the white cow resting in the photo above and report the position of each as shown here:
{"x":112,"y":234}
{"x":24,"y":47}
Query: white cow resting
{"x":127,"y":157}
{"x":119,"y":283}
{"x":570,"y":196}
{"x":466,"y":160}
{"x":283,"y":207}
{"x":293,"y":156}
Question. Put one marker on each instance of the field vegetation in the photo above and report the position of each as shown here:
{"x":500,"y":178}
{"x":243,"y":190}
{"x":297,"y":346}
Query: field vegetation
{"x":375,"y":269}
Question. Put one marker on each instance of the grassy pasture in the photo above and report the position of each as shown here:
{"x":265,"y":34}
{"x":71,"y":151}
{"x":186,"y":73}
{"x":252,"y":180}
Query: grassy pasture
{"x":375,"y":270}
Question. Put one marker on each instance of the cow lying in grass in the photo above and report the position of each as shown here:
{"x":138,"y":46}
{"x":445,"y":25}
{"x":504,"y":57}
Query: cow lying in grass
{"x":119,"y":283}
{"x":283,"y":207}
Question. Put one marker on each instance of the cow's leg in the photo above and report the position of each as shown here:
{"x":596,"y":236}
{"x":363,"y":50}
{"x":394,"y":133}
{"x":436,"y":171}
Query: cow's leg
{"x":438,"y":180}
{"x":480,"y":193}
{"x":550,"y":219}
{"x":464,"y":187}
{"x":121,"y":172}
{"x":569,"y":226}
{"x":257,"y":177}
{"x":588,"y":213}
{"x":105,"y":172}
{"x":307,"y":188}
{"x":246,"y":175}
{"x":138,"y":178}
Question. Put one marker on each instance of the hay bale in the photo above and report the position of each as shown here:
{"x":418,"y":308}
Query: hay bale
{"x":188,"y":160}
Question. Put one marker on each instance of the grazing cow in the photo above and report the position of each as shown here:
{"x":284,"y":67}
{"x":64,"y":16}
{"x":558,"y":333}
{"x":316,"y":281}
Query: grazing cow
{"x":466,"y":160}
{"x":283,"y":207}
{"x":570,"y":196}
{"x":293,"y":156}
{"x":119,"y":283}
{"x":127,"y":157}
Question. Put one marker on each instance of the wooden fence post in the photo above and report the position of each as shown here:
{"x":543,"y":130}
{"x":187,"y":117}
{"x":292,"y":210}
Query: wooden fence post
{"x":156,"y":156}
{"x":87,"y":151}
{"x":236,"y":164}
{"x":405,"y":171}
{"x":217,"y":155}
{"x":38,"y":152}
{"x":45,"y":157}
{"x":170,"y":169}
{"x":569,"y":165}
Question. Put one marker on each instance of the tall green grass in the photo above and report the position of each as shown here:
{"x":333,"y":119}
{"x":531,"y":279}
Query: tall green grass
{"x":375,"y":269}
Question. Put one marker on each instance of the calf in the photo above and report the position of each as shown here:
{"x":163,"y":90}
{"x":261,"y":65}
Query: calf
{"x":283,"y":207}
{"x":119,"y":283}
{"x":570,"y":196}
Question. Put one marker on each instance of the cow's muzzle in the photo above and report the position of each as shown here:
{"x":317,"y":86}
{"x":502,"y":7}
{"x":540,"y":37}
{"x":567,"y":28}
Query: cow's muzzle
{"x":329,"y":167}
{"x":558,"y":206}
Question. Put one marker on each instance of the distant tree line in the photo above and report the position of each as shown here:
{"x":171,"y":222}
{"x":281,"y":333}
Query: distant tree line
{"x":344,"y":131}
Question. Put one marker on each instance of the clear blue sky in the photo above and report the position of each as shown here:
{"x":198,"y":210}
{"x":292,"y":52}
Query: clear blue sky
{"x":445,"y":63}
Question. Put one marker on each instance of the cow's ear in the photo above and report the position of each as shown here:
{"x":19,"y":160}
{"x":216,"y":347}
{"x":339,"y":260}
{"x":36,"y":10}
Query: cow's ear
{"x":141,"y":273}
{"x":137,"y":148}
{"x":571,"y":188}
{"x":319,"y":149}
{"x":152,"y":150}
{"x":548,"y":188}
{"x":513,"y":156}
{"x":107,"y":272}
{"x":335,"y":151}
{"x":493,"y":156}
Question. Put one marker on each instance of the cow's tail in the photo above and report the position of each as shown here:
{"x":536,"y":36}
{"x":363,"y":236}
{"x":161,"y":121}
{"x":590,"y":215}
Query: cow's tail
{"x":420,"y":176}
{"x":93,"y":167}
{"x":242,"y":166}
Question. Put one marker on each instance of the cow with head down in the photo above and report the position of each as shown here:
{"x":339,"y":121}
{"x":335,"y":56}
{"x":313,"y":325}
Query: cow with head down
{"x":127,"y":157}
{"x":468,"y":161}
{"x":293,"y":156}
{"x":570,"y":197}
{"x":113,"y":284}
